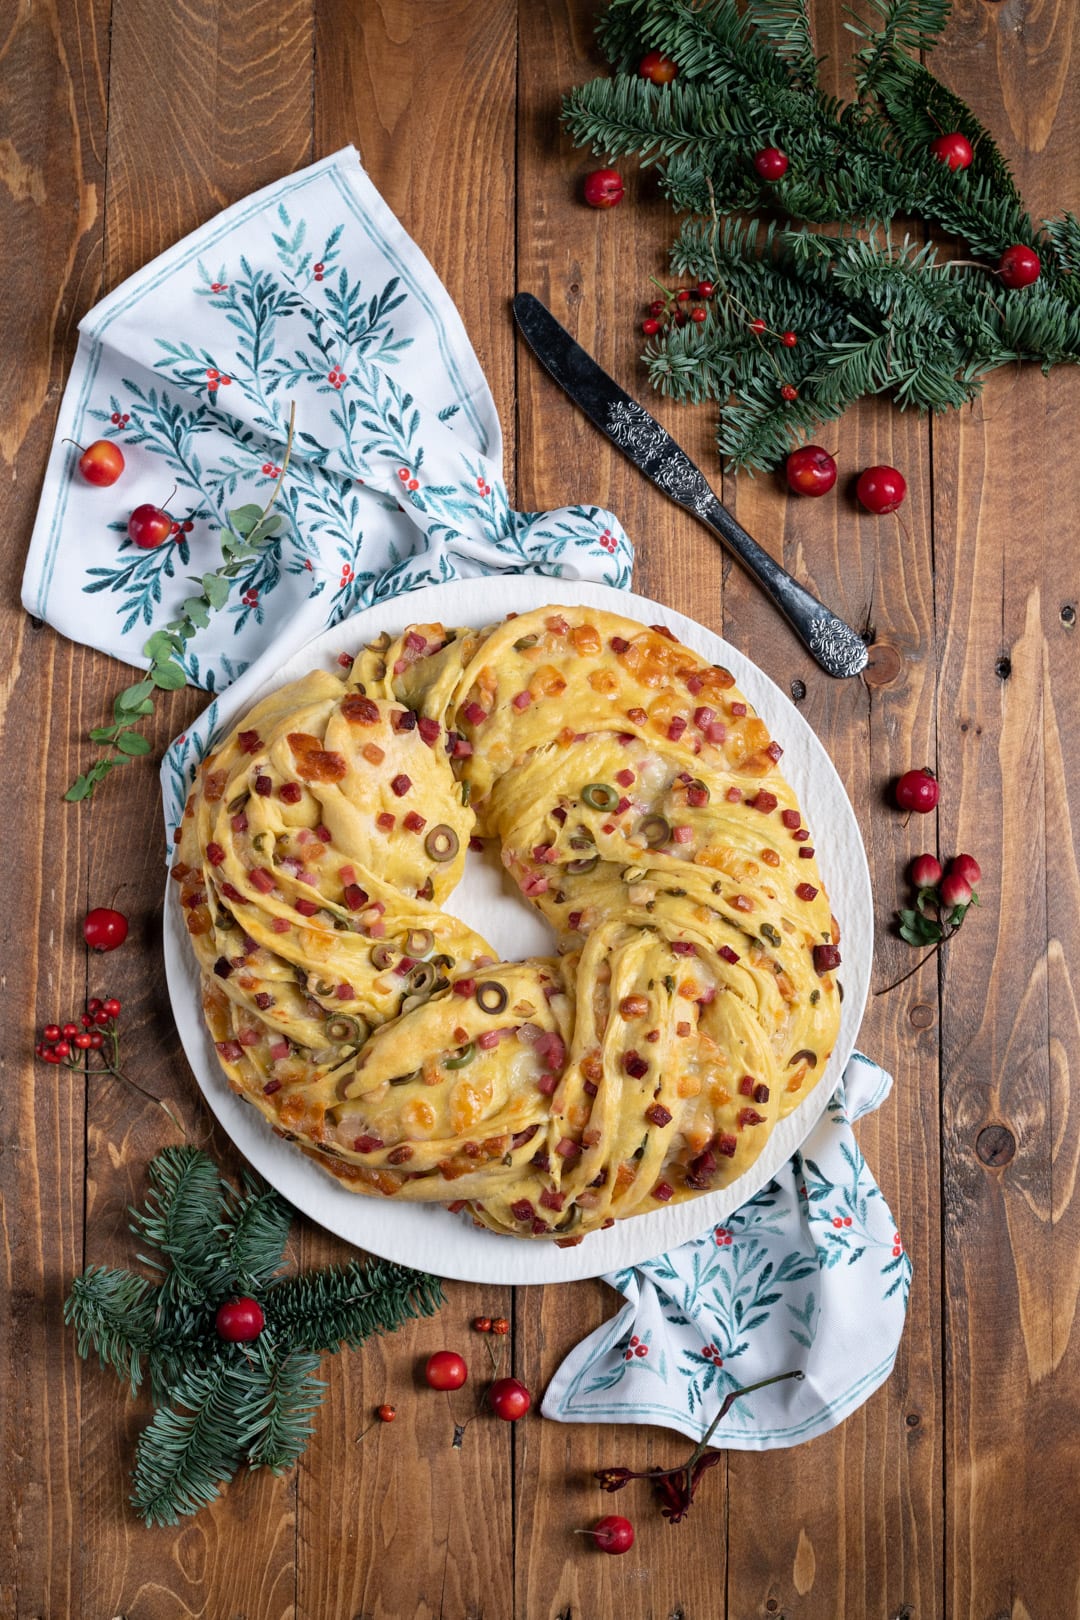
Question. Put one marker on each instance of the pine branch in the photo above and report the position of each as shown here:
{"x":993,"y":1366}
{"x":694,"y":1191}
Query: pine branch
{"x":113,"y":1313}
{"x":906,"y":25}
{"x":260,"y":1222}
{"x":183,"y":1218}
{"x":192,"y":1447}
{"x":293,"y":1396}
{"x":344,"y":1305}
{"x":786,"y":26}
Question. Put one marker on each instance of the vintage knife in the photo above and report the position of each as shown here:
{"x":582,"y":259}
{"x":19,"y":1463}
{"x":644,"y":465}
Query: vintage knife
{"x":834,"y":644}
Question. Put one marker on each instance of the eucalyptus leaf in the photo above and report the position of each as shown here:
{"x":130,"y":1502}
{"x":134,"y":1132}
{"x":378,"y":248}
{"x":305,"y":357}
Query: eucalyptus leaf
{"x":168,"y":676}
{"x":197,"y":611}
{"x":161,"y":644}
{"x":132,"y":696}
{"x":243,"y":519}
{"x":216,"y":590}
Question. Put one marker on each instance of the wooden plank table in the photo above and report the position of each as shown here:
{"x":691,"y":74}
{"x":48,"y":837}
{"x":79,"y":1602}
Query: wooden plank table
{"x":955,"y":1490}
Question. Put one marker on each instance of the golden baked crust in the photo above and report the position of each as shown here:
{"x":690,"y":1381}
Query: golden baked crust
{"x":638,"y":804}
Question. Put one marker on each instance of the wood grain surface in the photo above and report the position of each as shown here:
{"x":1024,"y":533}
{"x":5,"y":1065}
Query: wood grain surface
{"x":954,"y":1493}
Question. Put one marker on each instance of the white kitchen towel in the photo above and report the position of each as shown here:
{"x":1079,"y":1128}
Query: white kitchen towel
{"x":811,"y":1274}
{"x":308,"y":293}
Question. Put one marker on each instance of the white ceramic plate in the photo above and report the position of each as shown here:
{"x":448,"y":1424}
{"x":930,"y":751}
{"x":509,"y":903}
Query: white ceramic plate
{"x":427,"y":1236}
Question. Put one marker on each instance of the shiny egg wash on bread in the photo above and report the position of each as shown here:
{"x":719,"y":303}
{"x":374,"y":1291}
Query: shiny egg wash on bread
{"x":690,"y":1001}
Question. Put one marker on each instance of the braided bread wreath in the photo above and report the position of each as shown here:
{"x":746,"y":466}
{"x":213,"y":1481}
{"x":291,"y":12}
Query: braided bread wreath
{"x":639,"y":805}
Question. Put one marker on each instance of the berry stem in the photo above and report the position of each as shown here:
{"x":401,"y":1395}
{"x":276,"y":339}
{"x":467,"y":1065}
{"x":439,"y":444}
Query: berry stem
{"x":725,"y":1407}
{"x":931,"y":952}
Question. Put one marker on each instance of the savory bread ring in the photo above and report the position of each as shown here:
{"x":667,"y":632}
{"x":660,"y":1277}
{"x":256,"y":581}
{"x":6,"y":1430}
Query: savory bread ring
{"x":638,"y":804}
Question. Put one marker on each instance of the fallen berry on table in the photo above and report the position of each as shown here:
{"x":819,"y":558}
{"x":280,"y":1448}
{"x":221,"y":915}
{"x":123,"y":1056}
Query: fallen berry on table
{"x":603,"y":188}
{"x":500,"y":1325}
{"x":881,"y":489}
{"x":925,"y":871}
{"x":482,"y":1324}
{"x":612,"y":1534}
{"x":918,"y":791}
{"x":509,"y":1399}
{"x":446,"y":1370}
{"x":967,"y":868}
{"x":386,"y":1414}
{"x":954,"y":891}
{"x":810,"y":470}
{"x":103,"y":930}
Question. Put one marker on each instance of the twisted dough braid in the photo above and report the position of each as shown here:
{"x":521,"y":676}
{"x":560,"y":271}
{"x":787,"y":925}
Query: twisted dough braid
{"x":638,"y":804}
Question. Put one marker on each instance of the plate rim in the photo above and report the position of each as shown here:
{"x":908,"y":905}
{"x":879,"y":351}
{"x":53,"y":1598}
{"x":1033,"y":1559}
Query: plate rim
{"x":489,"y":1257}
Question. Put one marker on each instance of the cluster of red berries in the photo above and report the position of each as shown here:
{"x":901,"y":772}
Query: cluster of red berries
{"x":318,"y":270}
{"x":407,"y":478}
{"x":219,"y":286}
{"x":337,"y":378}
{"x":215,"y":380}
{"x":61,"y":1043}
{"x":954,"y":886}
{"x":670,"y":309}
{"x":491,"y":1324}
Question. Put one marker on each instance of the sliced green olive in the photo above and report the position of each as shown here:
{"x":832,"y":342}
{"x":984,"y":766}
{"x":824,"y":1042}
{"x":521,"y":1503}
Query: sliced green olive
{"x":491,"y":997}
{"x":587,"y":863}
{"x":418,"y":941}
{"x":382,"y":956}
{"x":323,"y":987}
{"x":443,"y":961}
{"x":523,"y":643}
{"x":462,"y":1057}
{"x":405,"y":1079}
{"x":655,"y":831}
{"x":344,"y":1028}
{"x":583,"y":840}
{"x":599,"y":796}
{"x":770,"y":933}
{"x":442,"y":843}
{"x":422,"y":978}
{"x":805,"y":1056}
{"x":238,"y":803}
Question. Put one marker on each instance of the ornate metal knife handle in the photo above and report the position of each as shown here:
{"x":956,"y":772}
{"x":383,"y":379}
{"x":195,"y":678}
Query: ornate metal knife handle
{"x":832,"y":643}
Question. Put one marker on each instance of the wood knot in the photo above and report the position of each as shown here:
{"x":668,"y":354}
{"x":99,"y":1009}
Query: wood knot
{"x":1068,"y":616}
{"x":884,"y":665}
{"x":1003,"y":668}
{"x":913,"y":1420}
{"x":798,"y":690}
{"x":922,"y":1015}
{"x":995,"y":1145}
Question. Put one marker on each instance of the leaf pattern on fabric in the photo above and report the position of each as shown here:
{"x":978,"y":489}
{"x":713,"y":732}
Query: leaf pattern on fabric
{"x":809,"y":1273}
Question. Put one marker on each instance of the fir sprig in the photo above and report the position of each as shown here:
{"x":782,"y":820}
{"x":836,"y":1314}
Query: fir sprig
{"x":872,"y":316}
{"x":220,"y":1405}
{"x":246,"y":529}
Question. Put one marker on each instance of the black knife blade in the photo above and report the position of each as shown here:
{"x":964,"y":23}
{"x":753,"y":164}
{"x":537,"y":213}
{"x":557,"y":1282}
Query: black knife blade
{"x":838,"y":649}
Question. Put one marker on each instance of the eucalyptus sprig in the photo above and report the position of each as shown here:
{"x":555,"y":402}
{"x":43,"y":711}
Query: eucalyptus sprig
{"x":246,"y":528}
